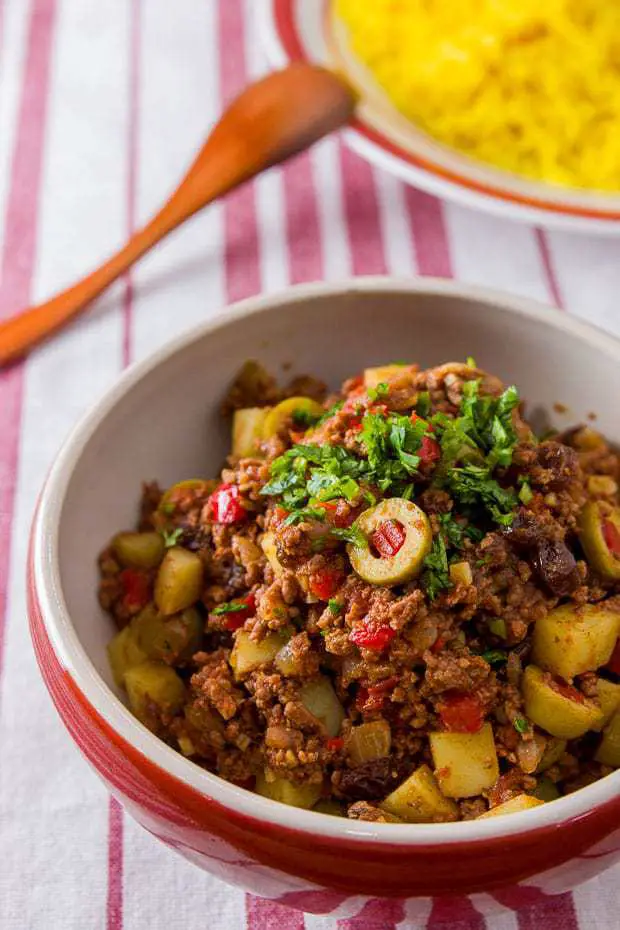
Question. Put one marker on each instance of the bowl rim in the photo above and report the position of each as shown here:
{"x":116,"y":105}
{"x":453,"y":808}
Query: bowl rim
{"x":421,"y":161}
{"x":74,"y":659}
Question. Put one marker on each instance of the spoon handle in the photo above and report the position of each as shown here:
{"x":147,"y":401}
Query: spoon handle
{"x":273,"y":119}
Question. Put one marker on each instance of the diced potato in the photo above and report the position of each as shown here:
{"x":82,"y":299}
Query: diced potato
{"x":186,"y":746}
{"x":554,"y":750}
{"x":465,"y":763}
{"x":248,"y":654}
{"x":609,"y":750}
{"x":383,"y":374}
{"x":139,"y":550}
{"x":522,"y":802}
{"x":368,"y":741}
{"x":609,"y":699}
{"x":179,"y":581}
{"x":419,"y":800}
{"x":287,"y":663}
{"x":247,"y":430}
{"x":555,"y":712}
{"x":288,"y":792}
{"x":318,"y":696}
{"x":302,"y":410}
{"x":268,"y":545}
{"x":153,"y":683}
{"x":602,"y":486}
{"x":123,"y":653}
{"x":168,"y":639}
{"x":546,"y":790}
{"x":571,"y":640}
{"x":328,"y":806}
{"x":461,"y":573}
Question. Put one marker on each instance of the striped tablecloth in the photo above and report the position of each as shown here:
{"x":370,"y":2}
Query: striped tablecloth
{"x":101,"y":108}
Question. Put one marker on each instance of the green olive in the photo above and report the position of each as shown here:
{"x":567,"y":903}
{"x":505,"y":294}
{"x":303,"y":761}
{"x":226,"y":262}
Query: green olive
{"x":305,"y":408}
{"x":599,"y":556}
{"x":406,"y":563}
{"x":202,"y":486}
{"x":139,"y":550}
{"x":168,"y":639}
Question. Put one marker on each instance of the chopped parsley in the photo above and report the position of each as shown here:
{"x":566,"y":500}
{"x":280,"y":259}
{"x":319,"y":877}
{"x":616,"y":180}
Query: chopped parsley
{"x":436,"y":575}
{"x":351,"y":534}
{"x":335,"y":607}
{"x":520,"y":724}
{"x":171,"y":538}
{"x":303,"y":419}
{"x":304,"y":514}
{"x":381,"y":390}
{"x":230,"y":607}
{"x":494,"y":657}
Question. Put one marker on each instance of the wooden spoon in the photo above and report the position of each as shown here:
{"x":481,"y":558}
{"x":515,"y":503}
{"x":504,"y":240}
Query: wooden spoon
{"x":276,"y":117}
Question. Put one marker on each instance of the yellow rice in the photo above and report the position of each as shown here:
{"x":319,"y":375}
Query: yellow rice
{"x":531,"y":86}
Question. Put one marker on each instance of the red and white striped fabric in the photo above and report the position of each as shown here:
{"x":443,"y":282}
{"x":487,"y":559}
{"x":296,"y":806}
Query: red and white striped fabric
{"x":101,"y":108}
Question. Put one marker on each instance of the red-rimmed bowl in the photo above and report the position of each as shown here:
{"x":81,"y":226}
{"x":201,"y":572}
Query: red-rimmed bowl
{"x":161,"y":421}
{"x":308,"y":30}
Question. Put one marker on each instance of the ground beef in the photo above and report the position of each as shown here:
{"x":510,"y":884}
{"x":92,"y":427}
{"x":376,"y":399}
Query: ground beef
{"x":325,"y":652}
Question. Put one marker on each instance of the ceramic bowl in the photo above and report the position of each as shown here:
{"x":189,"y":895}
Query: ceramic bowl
{"x":160,"y":421}
{"x":308,"y":30}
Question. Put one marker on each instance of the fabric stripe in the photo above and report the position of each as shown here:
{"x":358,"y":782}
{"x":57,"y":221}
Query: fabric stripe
{"x":376,"y":915}
{"x":241,"y":257}
{"x":263,"y":914}
{"x":115,"y":866}
{"x":548,"y":268}
{"x":536,"y":909}
{"x":114,"y":906}
{"x":429,"y":233}
{"x":18,"y":260}
{"x":361,"y":211}
{"x":455,"y":914}
{"x":303,"y":232}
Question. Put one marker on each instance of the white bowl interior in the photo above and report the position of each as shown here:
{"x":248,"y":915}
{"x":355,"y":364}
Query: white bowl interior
{"x":163,"y":423}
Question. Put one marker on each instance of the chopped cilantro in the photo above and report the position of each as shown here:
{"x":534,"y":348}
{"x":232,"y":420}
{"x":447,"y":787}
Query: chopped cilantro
{"x":351,"y":534}
{"x":330,"y":412}
{"x":381,"y":390}
{"x":335,"y":606}
{"x":171,"y":539}
{"x":436,"y":577}
{"x":303,"y":418}
{"x":451,"y":530}
{"x":473,"y":484}
{"x":304,"y":514}
{"x":494,"y":656}
{"x":521,"y":725}
{"x":423,"y":404}
{"x":230,"y":607}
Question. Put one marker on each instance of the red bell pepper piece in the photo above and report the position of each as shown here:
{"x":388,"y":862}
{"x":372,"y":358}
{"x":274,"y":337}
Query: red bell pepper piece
{"x":611,"y":535}
{"x":136,"y":589}
{"x":335,"y":743}
{"x":234,"y":620}
{"x":388,"y":538}
{"x":226,"y":504}
{"x":461,"y":713}
{"x":430,"y":450}
{"x":325,"y":582}
{"x":373,"y":636}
